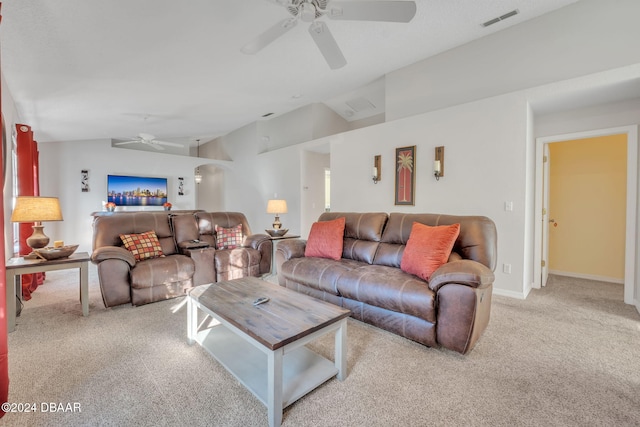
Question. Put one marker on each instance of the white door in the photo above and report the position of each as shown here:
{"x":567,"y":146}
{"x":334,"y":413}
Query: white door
{"x":546,"y":162}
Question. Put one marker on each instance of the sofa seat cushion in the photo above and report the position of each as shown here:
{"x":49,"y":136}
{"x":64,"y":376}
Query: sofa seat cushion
{"x":237,"y":263}
{"x":389,"y":288}
{"x":318,"y":273}
{"x":162,"y":271}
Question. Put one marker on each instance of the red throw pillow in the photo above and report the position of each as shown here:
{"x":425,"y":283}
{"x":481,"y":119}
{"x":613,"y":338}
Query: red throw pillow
{"x":428,"y":248}
{"x":142,"y":246}
{"x":325,"y":239}
{"x":228,"y":238}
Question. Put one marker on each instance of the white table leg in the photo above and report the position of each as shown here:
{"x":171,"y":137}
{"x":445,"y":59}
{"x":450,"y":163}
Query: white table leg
{"x":341,"y":350}
{"x":192,"y":320}
{"x":84,"y":288}
{"x":274,"y":384}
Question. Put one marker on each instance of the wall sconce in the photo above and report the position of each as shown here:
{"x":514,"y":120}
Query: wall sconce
{"x":438,"y":164}
{"x":376,"y":173}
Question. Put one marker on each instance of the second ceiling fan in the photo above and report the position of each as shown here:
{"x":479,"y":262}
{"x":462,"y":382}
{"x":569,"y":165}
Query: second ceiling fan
{"x":311,"y":10}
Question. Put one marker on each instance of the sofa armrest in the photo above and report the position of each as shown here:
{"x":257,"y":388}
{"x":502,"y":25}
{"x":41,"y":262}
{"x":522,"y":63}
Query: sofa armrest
{"x":254,"y":240}
{"x":263,"y":244}
{"x":113,"y":252}
{"x":291,"y":248}
{"x":462,"y":272}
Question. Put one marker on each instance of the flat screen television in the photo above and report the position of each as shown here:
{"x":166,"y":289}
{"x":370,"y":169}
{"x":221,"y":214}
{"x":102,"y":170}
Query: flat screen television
{"x":136,"y":190}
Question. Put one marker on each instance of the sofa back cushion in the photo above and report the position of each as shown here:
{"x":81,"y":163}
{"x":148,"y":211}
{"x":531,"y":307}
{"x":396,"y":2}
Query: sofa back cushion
{"x":107,"y":229}
{"x":362,"y":233}
{"x":207,"y":222}
{"x":185,"y":228}
{"x":477,"y":240}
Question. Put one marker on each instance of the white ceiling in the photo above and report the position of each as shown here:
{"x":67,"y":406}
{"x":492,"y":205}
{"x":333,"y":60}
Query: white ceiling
{"x":90,"y":69}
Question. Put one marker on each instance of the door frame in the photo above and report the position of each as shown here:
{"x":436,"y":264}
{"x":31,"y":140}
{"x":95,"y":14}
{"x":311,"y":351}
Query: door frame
{"x":631,"y":211}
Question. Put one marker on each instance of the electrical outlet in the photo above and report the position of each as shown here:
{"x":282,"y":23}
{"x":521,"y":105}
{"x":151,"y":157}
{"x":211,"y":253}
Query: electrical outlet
{"x":506,"y":268}
{"x":508,"y":206}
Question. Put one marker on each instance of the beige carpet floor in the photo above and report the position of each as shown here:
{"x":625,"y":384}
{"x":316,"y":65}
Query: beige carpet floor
{"x":569,"y":355}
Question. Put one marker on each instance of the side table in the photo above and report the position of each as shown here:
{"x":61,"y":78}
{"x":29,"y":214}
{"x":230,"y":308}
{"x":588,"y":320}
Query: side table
{"x":18,"y":266}
{"x":274,"y":241}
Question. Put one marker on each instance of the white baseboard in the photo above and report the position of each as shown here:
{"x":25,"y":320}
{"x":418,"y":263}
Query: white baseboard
{"x":510,"y":294}
{"x":587,"y":276}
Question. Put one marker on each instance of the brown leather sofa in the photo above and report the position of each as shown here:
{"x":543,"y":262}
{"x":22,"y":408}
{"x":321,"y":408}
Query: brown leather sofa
{"x":451,"y":310}
{"x":188,"y":242}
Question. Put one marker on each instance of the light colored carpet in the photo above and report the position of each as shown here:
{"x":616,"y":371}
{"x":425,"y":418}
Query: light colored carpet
{"x":568,"y":355}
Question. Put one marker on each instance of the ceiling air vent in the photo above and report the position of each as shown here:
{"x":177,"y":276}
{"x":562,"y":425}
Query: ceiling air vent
{"x":501,"y":18}
{"x":360,"y":104}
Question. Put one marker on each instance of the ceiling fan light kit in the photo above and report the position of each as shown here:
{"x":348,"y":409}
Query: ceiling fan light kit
{"x":311,"y":10}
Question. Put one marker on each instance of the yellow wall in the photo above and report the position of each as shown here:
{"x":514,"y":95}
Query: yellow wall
{"x":587,"y":200}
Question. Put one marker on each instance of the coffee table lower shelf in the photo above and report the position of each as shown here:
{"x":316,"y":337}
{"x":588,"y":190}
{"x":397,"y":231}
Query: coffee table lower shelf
{"x":302,"y":369}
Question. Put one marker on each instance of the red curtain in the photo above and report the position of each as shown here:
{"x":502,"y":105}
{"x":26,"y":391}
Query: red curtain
{"x":28,"y":185}
{"x":4,"y":348}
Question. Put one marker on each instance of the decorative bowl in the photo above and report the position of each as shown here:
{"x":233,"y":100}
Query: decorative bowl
{"x":277,"y":233}
{"x":50,"y":253}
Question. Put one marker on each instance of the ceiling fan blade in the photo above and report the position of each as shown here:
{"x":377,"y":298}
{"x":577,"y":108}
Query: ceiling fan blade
{"x":153,"y":145}
{"x":146,"y":136}
{"x":327,"y":45}
{"x":390,"y":11}
{"x":269,"y":36}
{"x":168,"y":144}
{"x":127,"y":142}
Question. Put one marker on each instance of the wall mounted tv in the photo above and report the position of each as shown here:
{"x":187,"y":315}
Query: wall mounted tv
{"x":136,"y":190}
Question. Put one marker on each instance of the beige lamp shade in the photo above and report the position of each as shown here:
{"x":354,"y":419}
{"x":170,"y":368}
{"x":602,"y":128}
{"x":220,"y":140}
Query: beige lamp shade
{"x":36,"y":209}
{"x":277,"y":206}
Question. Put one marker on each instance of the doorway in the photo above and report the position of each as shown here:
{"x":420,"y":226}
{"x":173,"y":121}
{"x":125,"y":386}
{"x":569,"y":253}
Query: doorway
{"x":587,"y":205}
{"x":542,"y":215}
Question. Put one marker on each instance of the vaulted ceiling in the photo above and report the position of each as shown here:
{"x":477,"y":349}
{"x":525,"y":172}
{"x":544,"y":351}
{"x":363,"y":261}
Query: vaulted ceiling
{"x":93,"y":69}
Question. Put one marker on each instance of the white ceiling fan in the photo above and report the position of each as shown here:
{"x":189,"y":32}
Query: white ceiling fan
{"x":150,"y":140}
{"x":311,"y":10}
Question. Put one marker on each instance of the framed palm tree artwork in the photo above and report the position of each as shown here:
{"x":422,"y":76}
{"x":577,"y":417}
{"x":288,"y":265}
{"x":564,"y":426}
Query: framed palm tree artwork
{"x":405,"y":175}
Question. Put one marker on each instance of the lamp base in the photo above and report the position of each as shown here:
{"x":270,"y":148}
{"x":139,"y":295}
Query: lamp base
{"x":277,"y":225}
{"x":38,"y":239}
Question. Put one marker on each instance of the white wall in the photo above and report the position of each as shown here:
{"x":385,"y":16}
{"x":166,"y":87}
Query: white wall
{"x":483,"y":169}
{"x":580,"y":39}
{"x":60,"y":166}
{"x":312,"y":170}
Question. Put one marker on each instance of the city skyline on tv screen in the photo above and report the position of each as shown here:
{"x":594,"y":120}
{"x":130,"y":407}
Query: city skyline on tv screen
{"x":136,"y":190}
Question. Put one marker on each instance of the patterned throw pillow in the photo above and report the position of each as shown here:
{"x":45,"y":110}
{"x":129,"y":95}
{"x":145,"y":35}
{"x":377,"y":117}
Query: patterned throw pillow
{"x":142,"y":246}
{"x":228,"y":238}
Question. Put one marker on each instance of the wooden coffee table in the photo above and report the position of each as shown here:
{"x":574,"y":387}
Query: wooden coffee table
{"x":264,"y":345}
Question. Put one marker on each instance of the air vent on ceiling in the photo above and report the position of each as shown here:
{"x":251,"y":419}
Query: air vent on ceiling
{"x":360,"y":104}
{"x":501,"y":18}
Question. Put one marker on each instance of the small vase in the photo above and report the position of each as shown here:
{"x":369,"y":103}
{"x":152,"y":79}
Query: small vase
{"x":167,"y":208}
{"x":111,"y":209}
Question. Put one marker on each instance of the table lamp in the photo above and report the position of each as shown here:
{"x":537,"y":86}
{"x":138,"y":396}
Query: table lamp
{"x":277,"y":207}
{"x":37,"y":209}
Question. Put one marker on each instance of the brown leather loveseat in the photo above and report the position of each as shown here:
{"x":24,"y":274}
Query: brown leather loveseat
{"x":451,"y":309}
{"x":189,"y":255}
